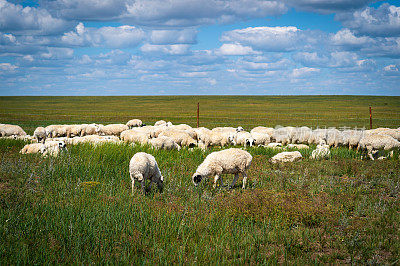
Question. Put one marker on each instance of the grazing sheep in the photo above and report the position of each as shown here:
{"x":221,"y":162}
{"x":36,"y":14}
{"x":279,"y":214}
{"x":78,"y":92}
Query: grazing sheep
{"x":374,"y":142}
{"x":283,"y":135}
{"x":286,"y":156}
{"x":51,"y":148}
{"x":317,"y":135}
{"x":394,"y":133}
{"x":180,"y":137}
{"x":54,"y":131}
{"x":89,"y":129}
{"x":32,"y":148}
{"x":40,"y":134}
{"x":144,"y":166}
{"x":260,"y":138}
{"x":263,"y":130}
{"x":93,"y":139}
{"x":164,"y":142}
{"x":160,"y":123}
{"x":297,"y":146}
{"x":321,"y":152}
{"x":112,"y":129}
{"x":202,"y":133}
{"x":274,"y":145}
{"x":73,"y":130}
{"x":134,"y":123}
{"x":333,"y":137}
{"x":7,"y":130}
{"x":301,"y":135}
{"x":230,"y":161}
{"x":242,"y":138}
{"x":132,"y":135}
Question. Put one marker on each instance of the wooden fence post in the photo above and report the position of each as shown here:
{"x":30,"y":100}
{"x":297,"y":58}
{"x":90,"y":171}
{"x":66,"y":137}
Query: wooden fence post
{"x":370,"y":118}
{"x":198,"y":113}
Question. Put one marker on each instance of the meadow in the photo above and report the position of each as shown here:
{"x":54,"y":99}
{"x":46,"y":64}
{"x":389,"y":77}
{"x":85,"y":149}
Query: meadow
{"x":78,"y":208}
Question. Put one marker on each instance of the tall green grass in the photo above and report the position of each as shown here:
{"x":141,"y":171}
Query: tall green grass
{"x":78,"y":208}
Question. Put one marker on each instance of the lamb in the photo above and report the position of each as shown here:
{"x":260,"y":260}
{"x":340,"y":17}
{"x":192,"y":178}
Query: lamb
{"x":7,"y":130}
{"x":230,"y":161}
{"x":286,"y":156}
{"x":374,"y":142}
{"x":144,"y":166}
{"x":164,"y":142}
{"x":112,"y":129}
{"x":40,"y":134}
{"x":134,"y":123}
{"x":321,"y":152}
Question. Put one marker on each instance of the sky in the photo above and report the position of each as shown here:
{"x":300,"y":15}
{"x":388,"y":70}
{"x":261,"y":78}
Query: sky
{"x":207,"y":47}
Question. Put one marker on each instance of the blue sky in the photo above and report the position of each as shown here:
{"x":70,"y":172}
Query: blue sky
{"x":187,"y":47}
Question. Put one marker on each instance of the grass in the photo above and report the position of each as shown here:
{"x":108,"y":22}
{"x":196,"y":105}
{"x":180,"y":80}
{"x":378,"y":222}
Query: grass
{"x":246,"y":111}
{"x":78,"y":208}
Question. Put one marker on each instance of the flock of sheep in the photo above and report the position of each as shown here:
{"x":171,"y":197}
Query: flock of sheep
{"x":52,"y":139}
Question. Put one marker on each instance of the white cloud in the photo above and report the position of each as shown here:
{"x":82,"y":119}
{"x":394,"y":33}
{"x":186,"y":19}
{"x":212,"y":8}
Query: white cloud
{"x":346,"y":38}
{"x":327,"y":6}
{"x":236,"y":49}
{"x":174,"y":49}
{"x":265,"y":38}
{"x":185,"y":36}
{"x":57,"y":53}
{"x":194,"y":12}
{"x":383,"y":21}
{"x":15,"y":18}
{"x":7,"y":67}
{"x":304,"y":72}
{"x":113,"y":37}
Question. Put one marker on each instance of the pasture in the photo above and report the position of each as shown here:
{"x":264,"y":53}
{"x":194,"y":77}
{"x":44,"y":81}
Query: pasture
{"x":78,"y":208}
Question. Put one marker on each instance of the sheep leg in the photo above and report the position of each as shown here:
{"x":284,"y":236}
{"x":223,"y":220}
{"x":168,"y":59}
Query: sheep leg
{"x":244,"y":180}
{"x":133,"y":185}
{"x":216,"y":177}
{"x":234,"y":181}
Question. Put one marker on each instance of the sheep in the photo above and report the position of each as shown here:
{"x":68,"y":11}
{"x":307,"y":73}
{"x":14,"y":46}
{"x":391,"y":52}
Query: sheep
{"x":7,"y":130}
{"x":32,"y":148}
{"x":260,"y":138}
{"x":297,"y":146}
{"x":374,"y":142}
{"x":134,"y":123}
{"x":231,"y":161}
{"x":317,"y":135}
{"x":89,"y":129}
{"x":93,"y":139}
{"x":160,"y":123}
{"x":301,"y":135}
{"x":228,"y":129}
{"x":40,"y":134}
{"x":54,"y":131}
{"x":73,"y":130}
{"x":321,"y":152}
{"x":217,"y":138}
{"x":395,"y":133}
{"x":274,"y":145}
{"x":180,"y":137}
{"x":352,"y":137}
{"x":144,"y":166}
{"x":132,"y":135}
{"x":48,"y":148}
{"x":283,"y":135}
{"x":164,"y":142}
{"x":202,"y":133}
{"x":263,"y":130}
{"x":112,"y":129}
{"x":286,"y":156}
{"x":333,"y":137}
{"x":242,"y":138}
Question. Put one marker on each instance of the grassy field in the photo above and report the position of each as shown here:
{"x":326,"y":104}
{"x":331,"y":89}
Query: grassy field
{"x":246,"y":111}
{"x":78,"y":208}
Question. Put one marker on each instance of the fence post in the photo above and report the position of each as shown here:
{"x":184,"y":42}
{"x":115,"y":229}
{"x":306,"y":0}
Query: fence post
{"x":370,"y":118}
{"x":198,"y":112}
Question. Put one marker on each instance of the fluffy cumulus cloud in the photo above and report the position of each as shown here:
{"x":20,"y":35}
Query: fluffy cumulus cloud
{"x":235,"y":49}
{"x":173,"y":49}
{"x":272,"y":39}
{"x":113,"y":37}
{"x":18,"y":19}
{"x":383,"y":21}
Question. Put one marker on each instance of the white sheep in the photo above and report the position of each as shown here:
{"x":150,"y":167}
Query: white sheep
{"x":132,"y":135}
{"x":274,"y":145}
{"x":321,"y":152}
{"x":40,"y":134}
{"x":333,"y":137}
{"x":112,"y":129}
{"x":286,"y":156}
{"x":48,"y":148}
{"x":297,"y":146}
{"x":32,"y":148}
{"x":144,"y":166}
{"x":241,"y":138}
{"x":260,"y":138}
{"x":7,"y":130}
{"x":283,"y":135}
{"x":164,"y":142}
{"x":374,"y":142}
{"x":89,"y":129}
{"x":160,"y":123}
{"x":73,"y":130}
{"x":134,"y":123}
{"x":317,"y":135}
{"x":54,"y":131}
{"x":230,"y":161}
{"x":301,"y":135}
{"x":180,"y":137}
{"x":264,"y":130}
